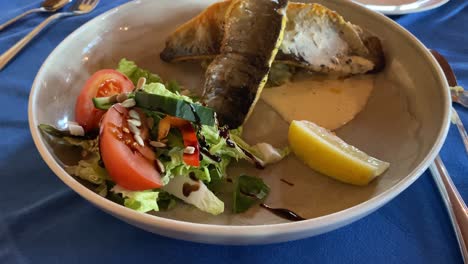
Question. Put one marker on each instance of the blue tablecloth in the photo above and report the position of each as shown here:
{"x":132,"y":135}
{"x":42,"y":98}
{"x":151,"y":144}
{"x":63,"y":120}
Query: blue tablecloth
{"x":43,"y":221}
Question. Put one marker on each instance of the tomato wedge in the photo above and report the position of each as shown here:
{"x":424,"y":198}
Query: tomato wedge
{"x":101,"y":84}
{"x":188,"y":135}
{"x":130,"y":165}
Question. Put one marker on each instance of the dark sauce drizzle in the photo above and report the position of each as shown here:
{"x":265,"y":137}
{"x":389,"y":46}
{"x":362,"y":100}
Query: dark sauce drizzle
{"x":287,"y":182}
{"x":209,"y":155}
{"x":201,"y":139}
{"x":224,"y":133}
{"x":195,"y":115}
{"x":193,"y":176}
{"x":283,"y":213}
{"x":188,"y":188}
{"x":257,"y":163}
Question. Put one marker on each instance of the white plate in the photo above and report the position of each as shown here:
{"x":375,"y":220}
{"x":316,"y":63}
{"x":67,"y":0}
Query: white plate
{"x":405,"y":122}
{"x":401,"y":7}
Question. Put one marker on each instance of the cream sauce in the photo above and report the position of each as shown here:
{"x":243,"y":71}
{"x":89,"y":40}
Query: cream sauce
{"x":328,"y":103}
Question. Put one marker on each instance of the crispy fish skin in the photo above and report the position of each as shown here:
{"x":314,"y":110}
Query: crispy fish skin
{"x":190,"y":40}
{"x":316,"y":38}
{"x":235,"y":78}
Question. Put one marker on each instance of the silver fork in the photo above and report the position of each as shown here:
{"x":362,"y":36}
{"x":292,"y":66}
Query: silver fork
{"x":453,"y":201}
{"x":461,"y":98}
{"x":458,"y":95}
{"x":80,"y":7}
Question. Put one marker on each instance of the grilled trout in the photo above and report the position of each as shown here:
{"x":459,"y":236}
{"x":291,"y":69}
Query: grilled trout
{"x":316,"y":38}
{"x":253,"y":31}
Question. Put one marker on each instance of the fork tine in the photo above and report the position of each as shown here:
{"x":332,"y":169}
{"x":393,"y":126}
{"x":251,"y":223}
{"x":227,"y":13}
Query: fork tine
{"x":76,"y":5}
{"x":92,"y":2}
{"x":456,"y":119}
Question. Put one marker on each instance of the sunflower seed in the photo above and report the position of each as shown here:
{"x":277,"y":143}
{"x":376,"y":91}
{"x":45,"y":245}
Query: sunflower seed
{"x":189,"y":150}
{"x":139,"y":140}
{"x":157,"y":144}
{"x":134,"y":114}
{"x":72,"y":123}
{"x":141,"y":83}
{"x":129,"y":103}
{"x":160,"y":166}
{"x":134,"y":122}
{"x":134,"y":129}
{"x":121,"y":97}
{"x":76,"y":130}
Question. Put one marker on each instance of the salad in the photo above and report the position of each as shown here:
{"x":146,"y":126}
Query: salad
{"x":148,"y":145}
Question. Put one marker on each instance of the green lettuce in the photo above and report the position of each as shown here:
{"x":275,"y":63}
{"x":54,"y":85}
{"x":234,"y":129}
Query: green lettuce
{"x":90,"y":145}
{"x":161,"y":89}
{"x":248,"y":191}
{"x":172,"y":158}
{"x":166,"y":201}
{"x":201,"y":197}
{"x":134,"y":73}
{"x":141,"y":201}
{"x":176,"y":171}
{"x":208,"y":169}
{"x":89,"y":170}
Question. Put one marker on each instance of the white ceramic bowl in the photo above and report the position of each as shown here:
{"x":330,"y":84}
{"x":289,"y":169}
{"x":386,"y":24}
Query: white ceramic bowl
{"x":405,"y":122}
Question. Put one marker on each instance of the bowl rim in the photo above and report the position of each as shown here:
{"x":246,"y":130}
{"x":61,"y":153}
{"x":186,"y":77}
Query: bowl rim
{"x":405,"y":8}
{"x":326,"y":222}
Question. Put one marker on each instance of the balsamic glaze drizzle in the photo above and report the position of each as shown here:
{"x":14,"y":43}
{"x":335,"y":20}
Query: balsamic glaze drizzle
{"x":283,"y":213}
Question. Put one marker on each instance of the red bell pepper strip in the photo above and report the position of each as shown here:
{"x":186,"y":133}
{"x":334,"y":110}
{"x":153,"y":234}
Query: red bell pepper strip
{"x":189,"y":137}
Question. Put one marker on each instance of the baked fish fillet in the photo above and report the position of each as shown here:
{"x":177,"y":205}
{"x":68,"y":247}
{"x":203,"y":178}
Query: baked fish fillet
{"x":316,"y":38}
{"x":253,"y":30}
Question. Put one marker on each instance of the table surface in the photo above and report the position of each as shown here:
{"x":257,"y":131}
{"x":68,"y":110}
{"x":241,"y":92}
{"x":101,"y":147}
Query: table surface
{"x":44,"y":221}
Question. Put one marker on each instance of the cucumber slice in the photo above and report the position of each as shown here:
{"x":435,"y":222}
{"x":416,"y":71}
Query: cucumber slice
{"x":176,"y":107}
{"x":102,"y":103}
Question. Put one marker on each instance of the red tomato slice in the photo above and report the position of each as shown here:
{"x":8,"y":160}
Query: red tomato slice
{"x":103,"y":83}
{"x":128,"y":164}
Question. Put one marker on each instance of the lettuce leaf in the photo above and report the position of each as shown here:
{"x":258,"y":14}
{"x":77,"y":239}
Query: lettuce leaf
{"x":201,"y":197}
{"x":133,"y":72}
{"x":141,"y":201}
{"x":160,"y":89}
{"x":166,"y":201}
{"x":248,"y":191}
{"x":90,"y":145}
{"x":89,"y":170}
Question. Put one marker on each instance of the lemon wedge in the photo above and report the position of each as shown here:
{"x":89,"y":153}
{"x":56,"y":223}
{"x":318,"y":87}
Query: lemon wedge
{"x":330,"y":155}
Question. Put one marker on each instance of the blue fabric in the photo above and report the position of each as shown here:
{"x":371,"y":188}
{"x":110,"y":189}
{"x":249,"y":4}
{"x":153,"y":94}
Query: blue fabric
{"x":43,"y":221}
